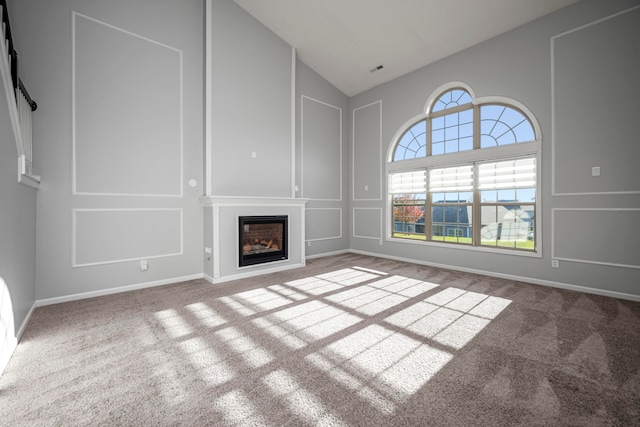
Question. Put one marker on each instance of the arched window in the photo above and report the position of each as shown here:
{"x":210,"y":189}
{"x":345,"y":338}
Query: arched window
{"x":413,"y":142}
{"x":502,"y":125}
{"x":466,"y":172}
{"x":452,"y":123}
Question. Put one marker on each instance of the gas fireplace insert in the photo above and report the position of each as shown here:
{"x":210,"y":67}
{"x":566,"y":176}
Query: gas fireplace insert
{"x":262,"y":239}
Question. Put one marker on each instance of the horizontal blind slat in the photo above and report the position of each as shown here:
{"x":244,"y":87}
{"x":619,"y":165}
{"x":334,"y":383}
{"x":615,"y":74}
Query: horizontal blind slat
{"x":458,"y":178}
{"x":509,"y":174}
{"x":409,"y":182}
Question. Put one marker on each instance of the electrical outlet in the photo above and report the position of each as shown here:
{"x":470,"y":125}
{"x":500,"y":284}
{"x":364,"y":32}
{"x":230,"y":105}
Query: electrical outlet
{"x":309,"y":243}
{"x":144,"y":265}
{"x":555,"y":263}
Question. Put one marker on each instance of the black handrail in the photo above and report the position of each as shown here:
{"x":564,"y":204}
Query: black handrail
{"x":30,"y":101}
{"x":17,"y":83}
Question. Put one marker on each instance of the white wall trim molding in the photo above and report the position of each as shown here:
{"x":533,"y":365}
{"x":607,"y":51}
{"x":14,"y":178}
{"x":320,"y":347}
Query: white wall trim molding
{"x":579,"y":260}
{"x":208,"y":96}
{"x":530,"y":280}
{"x":74,"y":236}
{"x":293,"y":122}
{"x":302,"y":99}
{"x":126,"y":288}
{"x":211,"y":201}
{"x":74,"y":183}
{"x":353,"y":153}
{"x":380,"y":237}
{"x":553,"y":39}
{"x":339,"y":236}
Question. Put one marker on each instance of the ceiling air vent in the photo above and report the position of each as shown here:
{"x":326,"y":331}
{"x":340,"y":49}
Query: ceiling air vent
{"x":378,"y":68}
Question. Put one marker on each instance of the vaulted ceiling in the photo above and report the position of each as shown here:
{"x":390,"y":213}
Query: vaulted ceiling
{"x":344,"y":40}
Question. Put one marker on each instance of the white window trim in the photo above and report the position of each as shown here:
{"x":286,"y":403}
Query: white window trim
{"x":533,"y":148}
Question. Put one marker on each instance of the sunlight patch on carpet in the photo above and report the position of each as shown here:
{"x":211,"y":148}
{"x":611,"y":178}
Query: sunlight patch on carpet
{"x":283,"y":335}
{"x":240,"y":343}
{"x":238,"y":409}
{"x":262,"y":299}
{"x":386,"y":337}
{"x":206,"y":315}
{"x":304,"y":404}
{"x":352,"y":382}
{"x":348,"y":276}
{"x":211,"y":367}
{"x":173,"y":324}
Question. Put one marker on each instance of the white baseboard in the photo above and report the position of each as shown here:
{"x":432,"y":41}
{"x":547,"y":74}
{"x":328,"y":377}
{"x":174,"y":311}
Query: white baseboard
{"x":326,"y":254}
{"x":533,"y":281}
{"x":110,"y":291}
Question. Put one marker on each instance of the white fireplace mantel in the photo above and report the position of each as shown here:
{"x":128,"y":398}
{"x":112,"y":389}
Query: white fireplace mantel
{"x":221,"y":215}
{"x":212,"y":201}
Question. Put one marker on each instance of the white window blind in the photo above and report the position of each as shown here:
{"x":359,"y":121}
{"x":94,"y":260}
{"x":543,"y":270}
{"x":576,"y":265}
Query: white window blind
{"x":409,"y":182}
{"x":509,"y":174}
{"x":459,"y":178}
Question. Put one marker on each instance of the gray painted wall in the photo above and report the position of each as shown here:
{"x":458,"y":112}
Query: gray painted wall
{"x":596,"y":90}
{"x":322,"y":161}
{"x":251,"y":106}
{"x":118,"y":136}
{"x":17,"y":239}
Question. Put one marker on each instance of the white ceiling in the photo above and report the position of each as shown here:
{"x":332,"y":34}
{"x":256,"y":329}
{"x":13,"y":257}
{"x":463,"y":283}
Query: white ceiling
{"x":343,"y":40}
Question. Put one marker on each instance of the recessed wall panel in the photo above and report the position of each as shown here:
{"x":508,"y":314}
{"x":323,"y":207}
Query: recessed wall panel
{"x":367,"y":223}
{"x":595,"y":116}
{"x":116,"y":235}
{"x":367,"y":146}
{"x":127,"y":112}
{"x":321,"y":131}
{"x":323,"y":224}
{"x":597,"y":236}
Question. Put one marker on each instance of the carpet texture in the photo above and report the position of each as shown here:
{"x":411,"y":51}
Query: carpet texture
{"x":349,"y":340}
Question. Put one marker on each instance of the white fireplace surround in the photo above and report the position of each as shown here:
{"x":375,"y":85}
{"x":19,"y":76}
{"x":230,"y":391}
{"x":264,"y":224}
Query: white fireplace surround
{"x":221,"y":215}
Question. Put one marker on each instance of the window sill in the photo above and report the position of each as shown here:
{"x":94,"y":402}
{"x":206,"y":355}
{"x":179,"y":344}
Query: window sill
{"x":528,"y":254}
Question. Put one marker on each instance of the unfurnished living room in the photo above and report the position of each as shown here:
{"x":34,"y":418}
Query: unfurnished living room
{"x":297,"y":212}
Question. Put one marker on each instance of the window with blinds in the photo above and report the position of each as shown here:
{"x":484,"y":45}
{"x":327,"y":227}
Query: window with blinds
{"x":466,"y":173}
{"x":508,"y":203}
{"x":409,"y":191}
{"x":408,"y":182}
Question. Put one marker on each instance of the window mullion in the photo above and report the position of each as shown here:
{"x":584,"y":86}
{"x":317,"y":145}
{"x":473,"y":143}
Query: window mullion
{"x":476,"y":127}
{"x":428,"y":136}
{"x":476,"y":209}
{"x":428,"y":220}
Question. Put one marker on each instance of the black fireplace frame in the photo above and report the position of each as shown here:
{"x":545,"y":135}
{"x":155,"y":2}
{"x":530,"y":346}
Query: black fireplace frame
{"x":253,"y":259}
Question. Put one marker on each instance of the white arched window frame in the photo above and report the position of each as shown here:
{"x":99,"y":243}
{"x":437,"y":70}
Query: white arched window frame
{"x":525,"y":156}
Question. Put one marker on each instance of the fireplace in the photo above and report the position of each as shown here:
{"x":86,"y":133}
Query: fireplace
{"x":262,"y":239}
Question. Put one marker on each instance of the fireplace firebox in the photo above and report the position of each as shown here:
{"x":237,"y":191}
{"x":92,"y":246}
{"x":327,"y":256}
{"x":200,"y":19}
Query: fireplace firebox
{"x":262,"y":239}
